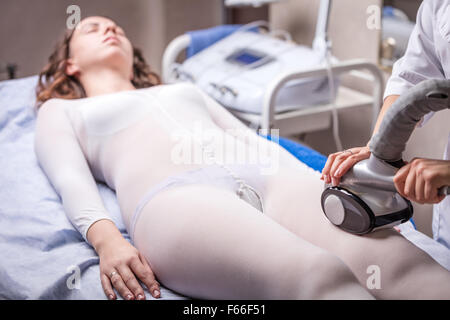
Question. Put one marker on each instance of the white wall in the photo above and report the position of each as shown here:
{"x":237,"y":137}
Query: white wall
{"x":30,"y":29}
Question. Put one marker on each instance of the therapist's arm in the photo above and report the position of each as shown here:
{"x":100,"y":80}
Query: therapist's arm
{"x":420,"y":179}
{"x":419,"y":63}
{"x":388,"y":102}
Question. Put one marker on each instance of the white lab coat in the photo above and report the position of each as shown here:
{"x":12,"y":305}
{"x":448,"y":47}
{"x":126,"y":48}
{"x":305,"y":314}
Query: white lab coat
{"x":428,"y":57}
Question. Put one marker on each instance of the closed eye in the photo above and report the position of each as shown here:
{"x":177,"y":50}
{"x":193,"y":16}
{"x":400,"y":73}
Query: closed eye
{"x":91,"y":27}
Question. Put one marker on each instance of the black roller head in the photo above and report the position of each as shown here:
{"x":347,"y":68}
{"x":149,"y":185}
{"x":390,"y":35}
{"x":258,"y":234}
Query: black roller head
{"x":347,"y":211}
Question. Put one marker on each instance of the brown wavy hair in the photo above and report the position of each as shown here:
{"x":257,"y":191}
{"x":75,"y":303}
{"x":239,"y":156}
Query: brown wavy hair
{"x":55,"y":83}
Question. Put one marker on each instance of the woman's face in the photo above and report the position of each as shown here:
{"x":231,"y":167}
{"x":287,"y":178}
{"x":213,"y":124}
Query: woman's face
{"x":97,"y":42}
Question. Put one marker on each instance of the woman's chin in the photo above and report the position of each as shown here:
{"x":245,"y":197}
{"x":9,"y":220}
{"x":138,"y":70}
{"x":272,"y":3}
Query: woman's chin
{"x":114,"y":57}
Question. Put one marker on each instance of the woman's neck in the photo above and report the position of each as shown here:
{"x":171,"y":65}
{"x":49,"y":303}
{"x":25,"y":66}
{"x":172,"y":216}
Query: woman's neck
{"x":104,"y":81}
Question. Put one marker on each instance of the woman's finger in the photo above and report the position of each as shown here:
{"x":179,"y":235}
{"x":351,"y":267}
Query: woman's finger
{"x":120,"y":286}
{"x":141,"y":271}
{"x":131,"y":282}
{"x":146,"y":275}
{"x":107,"y":287}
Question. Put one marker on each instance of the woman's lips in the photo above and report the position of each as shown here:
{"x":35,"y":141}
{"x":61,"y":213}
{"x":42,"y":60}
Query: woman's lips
{"x":111,"y":38}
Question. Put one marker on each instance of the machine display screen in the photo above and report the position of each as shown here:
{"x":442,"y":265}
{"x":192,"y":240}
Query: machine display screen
{"x":247,"y":58}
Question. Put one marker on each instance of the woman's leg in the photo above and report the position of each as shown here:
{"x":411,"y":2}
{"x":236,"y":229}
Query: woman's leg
{"x":205,"y":243}
{"x":293,"y":200}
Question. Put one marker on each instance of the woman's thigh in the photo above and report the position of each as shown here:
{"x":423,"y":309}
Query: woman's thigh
{"x":204,"y":242}
{"x":293,"y":200}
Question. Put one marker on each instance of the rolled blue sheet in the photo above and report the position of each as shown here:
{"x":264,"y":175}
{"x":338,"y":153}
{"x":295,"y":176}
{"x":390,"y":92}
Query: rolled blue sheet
{"x":201,"y":39}
{"x":308,"y":156}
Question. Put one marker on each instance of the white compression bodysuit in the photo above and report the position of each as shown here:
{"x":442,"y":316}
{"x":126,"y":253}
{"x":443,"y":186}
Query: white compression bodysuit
{"x":127,"y":141}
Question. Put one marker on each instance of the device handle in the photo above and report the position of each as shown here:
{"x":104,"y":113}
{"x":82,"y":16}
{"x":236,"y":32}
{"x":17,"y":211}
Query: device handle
{"x":401,"y":118}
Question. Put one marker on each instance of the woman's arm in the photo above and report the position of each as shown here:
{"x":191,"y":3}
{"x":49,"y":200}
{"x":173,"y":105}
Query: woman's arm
{"x":60,"y":156}
{"x":62,"y":159}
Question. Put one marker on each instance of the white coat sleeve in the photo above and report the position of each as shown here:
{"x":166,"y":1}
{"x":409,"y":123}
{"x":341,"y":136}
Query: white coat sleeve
{"x":420,"y":61}
{"x":61,"y":158}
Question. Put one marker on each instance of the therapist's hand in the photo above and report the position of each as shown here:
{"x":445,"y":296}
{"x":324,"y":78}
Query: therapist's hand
{"x":420,"y":179}
{"x":340,"y":162}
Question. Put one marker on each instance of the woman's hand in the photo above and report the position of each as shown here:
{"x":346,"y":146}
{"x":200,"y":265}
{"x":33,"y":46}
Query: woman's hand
{"x":420,"y":179}
{"x":340,"y":162}
{"x":120,"y":263}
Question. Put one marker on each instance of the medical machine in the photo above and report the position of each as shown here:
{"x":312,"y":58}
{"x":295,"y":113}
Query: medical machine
{"x":366,"y":199}
{"x":238,"y":69}
{"x":257,"y":86}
